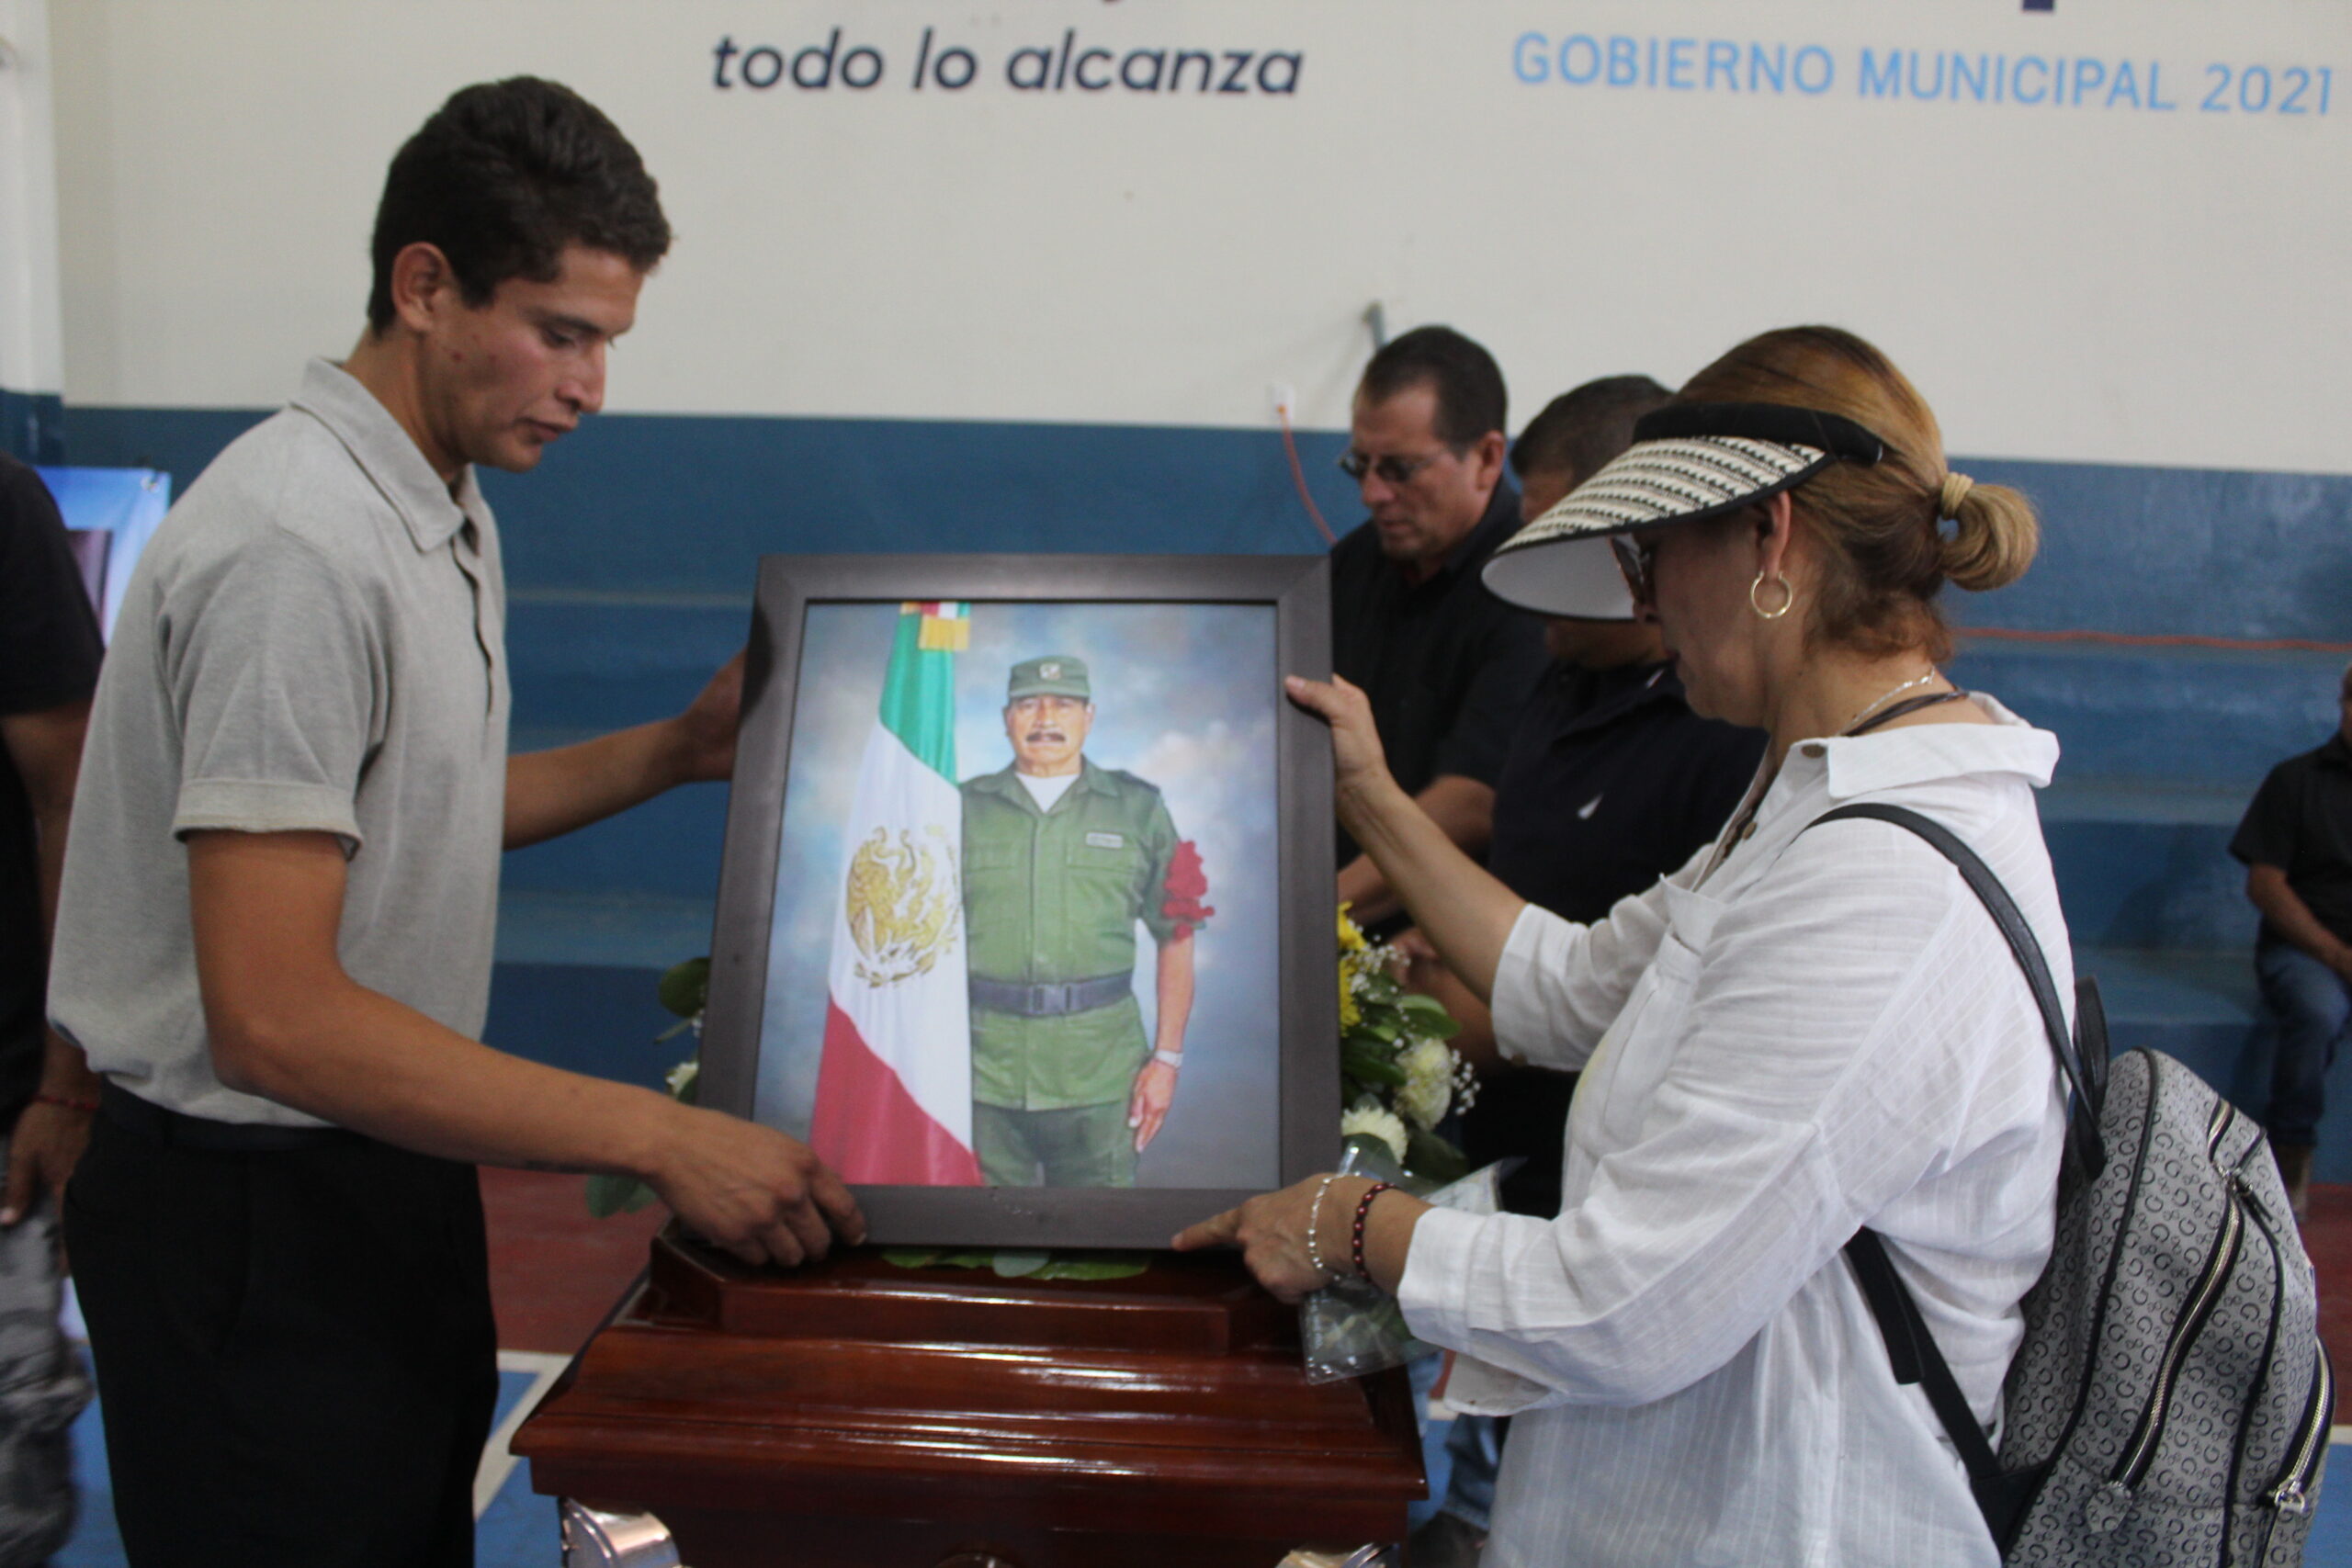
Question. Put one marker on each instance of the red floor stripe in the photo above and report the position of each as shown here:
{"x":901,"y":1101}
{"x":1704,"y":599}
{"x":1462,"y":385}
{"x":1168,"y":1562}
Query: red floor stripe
{"x":554,"y":1270}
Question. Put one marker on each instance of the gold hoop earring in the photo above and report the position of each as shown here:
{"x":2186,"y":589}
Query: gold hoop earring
{"x":1788,"y":599}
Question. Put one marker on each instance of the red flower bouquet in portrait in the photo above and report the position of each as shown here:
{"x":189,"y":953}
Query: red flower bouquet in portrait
{"x":1186,"y":883}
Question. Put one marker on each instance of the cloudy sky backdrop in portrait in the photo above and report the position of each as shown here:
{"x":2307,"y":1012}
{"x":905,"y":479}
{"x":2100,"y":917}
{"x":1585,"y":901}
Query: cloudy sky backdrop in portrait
{"x":1184,"y":698}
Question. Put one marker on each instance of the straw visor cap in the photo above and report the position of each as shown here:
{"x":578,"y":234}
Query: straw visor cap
{"x":1687,"y":462}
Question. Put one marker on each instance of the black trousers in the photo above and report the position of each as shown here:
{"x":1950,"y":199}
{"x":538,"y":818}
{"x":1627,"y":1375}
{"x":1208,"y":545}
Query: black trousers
{"x":294,"y":1348}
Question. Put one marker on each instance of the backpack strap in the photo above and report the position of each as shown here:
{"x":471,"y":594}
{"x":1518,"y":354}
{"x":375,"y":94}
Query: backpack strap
{"x":1910,"y":1346}
{"x":1911,"y":1349}
{"x":2088,"y":1096}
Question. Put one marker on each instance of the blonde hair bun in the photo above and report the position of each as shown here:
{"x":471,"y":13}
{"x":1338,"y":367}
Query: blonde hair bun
{"x":1993,"y":537}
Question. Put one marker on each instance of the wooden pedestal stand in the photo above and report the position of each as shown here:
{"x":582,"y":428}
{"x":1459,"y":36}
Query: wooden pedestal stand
{"x":859,"y":1414}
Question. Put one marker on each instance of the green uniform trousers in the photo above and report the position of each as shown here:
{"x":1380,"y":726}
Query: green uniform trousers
{"x":1085,"y":1145}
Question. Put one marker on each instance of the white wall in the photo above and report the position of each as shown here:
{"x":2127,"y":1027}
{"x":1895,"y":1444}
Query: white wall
{"x":31,"y":346}
{"x":2105,"y":280}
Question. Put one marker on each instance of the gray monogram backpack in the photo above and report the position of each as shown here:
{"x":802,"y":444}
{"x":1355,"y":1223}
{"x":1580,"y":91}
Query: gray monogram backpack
{"x":2171,"y":1402}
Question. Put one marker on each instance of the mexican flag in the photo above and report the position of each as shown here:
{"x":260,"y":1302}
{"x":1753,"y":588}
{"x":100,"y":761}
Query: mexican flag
{"x":894,"y":1086}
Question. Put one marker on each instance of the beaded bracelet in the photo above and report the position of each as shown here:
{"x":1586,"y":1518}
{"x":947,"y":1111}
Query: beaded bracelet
{"x":87,"y":1107}
{"x":1313,"y":1255}
{"x":1364,"y":1212}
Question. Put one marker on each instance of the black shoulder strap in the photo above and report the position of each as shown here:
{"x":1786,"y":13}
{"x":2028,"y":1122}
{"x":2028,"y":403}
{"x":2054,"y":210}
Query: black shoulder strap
{"x":1910,"y":1347}
{"x":2082,"y":1126}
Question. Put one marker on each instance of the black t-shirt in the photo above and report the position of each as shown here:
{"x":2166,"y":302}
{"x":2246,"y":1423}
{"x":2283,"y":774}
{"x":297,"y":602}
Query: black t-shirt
{"x":1448,"y":666}
{"x":1611,"y":782}
{"x":49,"y":656}
{"x":2301,"y":821}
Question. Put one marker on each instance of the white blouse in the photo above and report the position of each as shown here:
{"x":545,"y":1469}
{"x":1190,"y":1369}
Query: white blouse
{"x":1822,"y":1032}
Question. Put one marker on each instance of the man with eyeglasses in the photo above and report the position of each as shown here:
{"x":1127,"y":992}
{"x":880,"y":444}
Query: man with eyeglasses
{"x":1448,"y":666}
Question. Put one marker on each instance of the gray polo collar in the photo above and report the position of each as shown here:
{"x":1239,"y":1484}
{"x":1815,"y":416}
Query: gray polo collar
{"x":386,"y":456}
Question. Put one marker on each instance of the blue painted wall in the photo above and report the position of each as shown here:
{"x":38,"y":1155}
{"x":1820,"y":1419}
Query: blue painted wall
{"x":32,"y":426}
{"x":674,"y":503}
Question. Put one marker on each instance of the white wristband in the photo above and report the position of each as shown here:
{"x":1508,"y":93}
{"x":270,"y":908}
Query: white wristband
{"x":1169,"y":1060}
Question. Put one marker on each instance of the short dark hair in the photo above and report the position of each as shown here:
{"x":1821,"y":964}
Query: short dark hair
{"x":502,"y":179}
{"x":1468,"y":384}
{"x":1580,"y":430}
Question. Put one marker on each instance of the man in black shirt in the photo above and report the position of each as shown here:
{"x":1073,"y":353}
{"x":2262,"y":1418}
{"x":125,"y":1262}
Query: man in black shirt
{"x":48,"y":666}
{"x":1447,"y":666}
{"x":2296,"y":842}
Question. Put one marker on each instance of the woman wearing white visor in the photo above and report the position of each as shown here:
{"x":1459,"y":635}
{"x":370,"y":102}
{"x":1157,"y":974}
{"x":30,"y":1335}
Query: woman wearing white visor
{"x":1797,"y":1035}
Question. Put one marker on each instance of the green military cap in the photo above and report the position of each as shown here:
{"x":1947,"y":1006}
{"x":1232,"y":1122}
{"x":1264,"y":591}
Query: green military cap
{"x":1049,"y":675}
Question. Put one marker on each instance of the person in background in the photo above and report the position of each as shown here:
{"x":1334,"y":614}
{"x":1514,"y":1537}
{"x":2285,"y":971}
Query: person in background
{"x":275,"y":934}
{"x":2296,"y":844}
{"x":1448,"y":667}
{"x":1811,"y":1028}
{"x":49,"y":666}
{"x":1611,"y":783}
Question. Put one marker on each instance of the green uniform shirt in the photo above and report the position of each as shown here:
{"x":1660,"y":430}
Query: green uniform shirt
{"x":1053,"y":897}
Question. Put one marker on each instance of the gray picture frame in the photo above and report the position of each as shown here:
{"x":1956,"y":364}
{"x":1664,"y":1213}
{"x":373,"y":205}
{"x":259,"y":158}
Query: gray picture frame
{"x":1297,"y":589}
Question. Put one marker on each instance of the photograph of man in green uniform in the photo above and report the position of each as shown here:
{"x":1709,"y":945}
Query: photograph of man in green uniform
{"x":1062,"y":859}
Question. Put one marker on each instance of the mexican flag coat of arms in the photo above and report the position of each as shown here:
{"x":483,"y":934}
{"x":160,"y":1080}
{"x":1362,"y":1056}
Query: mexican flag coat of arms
{"x":894,"y":1084}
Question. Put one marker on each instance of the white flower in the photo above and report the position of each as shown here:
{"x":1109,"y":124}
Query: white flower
{"x":1428,"y":1082}
{"x":679,"y":1076}
{"x":1374,"y":1121}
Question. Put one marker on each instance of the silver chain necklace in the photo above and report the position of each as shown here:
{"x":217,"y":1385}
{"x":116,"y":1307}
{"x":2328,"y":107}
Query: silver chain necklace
{"x":1881,"y":700}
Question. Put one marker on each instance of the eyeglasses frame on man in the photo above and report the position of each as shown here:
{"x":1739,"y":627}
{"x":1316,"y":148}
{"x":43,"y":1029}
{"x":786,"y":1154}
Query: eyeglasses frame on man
{"x":1392,"y":470}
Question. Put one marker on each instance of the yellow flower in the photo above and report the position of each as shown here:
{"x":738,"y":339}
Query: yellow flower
{"x":1350,"y":938}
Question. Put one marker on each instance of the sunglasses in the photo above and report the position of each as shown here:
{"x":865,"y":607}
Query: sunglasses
{"x":1637,"y":558}
{"x":1392,"y":470}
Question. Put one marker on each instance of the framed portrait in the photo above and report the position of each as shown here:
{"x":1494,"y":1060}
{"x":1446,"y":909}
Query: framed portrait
{"x":1025,"y":923}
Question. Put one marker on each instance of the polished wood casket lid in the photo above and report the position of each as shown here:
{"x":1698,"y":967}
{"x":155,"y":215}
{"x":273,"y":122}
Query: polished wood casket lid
{"x":1173,"y":1401}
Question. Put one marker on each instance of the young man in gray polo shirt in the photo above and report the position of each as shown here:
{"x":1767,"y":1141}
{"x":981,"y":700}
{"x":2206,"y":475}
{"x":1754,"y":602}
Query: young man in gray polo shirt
{"x":276,"y":933}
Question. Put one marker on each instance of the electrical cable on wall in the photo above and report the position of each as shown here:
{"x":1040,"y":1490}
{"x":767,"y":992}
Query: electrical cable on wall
{"x":1298,"y":477}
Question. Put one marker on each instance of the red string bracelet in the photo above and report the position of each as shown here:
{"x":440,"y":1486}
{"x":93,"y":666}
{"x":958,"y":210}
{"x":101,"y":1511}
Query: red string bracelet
{"x":1364,"y":1212}
{"x":87,"y":1107}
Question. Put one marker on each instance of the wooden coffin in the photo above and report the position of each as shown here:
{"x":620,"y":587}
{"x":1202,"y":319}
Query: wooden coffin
{"x":856,"y":1413}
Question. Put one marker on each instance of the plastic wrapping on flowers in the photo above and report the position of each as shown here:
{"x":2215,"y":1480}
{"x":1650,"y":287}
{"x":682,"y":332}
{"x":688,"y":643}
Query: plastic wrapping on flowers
{"x":1399,"y":1078}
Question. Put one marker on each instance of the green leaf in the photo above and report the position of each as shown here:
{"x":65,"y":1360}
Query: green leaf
{"x":1429,"y":1017}
{"x":610,"y":1195}
{"x":1017,"y":1263}
{"x":1429,"y":1155}
{"x":970,"y":1259}
{"x":1095,"y":1266}
{"x":1372,"y":1064}
{"x":685,"y":987}
{"x":910,"y":1257}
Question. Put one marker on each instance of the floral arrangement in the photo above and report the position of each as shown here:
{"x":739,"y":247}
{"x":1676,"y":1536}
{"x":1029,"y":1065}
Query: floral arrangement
{"x":1399,"y":1074}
